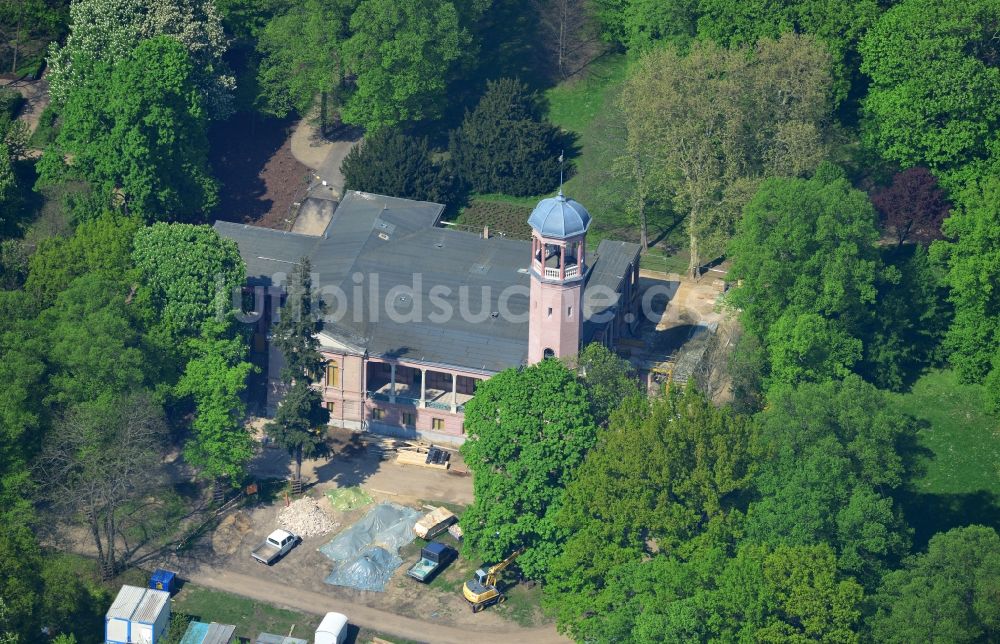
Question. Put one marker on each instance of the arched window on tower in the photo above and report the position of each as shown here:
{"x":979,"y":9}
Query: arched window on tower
{"x":548,"y":353}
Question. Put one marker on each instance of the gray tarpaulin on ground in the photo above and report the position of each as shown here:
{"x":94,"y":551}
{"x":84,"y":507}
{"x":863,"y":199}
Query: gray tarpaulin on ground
{"x":365,"y":555}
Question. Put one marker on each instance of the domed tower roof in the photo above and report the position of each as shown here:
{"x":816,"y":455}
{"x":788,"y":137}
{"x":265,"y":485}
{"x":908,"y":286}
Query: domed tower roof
{"x":559,"y":217}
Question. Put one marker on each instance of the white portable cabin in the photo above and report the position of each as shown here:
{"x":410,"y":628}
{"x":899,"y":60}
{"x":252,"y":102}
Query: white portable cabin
{"x":137,"y":616}
{"x":332,"y":630}
{"x":151,"y":617}
{"x":118,"y":620}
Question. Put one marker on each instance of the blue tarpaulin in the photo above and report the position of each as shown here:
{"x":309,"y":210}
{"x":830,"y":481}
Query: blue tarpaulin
{"x":366,"y":554}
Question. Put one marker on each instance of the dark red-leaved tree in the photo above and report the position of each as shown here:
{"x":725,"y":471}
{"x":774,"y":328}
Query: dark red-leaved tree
{"x":912,"y":207}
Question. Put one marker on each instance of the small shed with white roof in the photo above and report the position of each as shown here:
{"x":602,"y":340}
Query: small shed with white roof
{"x":137,"y":616}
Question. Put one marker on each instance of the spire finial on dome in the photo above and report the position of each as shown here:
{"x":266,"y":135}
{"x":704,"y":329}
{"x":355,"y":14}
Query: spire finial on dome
{"x":561,"y":157}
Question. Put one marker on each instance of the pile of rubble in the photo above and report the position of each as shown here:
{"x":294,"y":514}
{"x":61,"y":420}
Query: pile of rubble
{"x":306,"y":518}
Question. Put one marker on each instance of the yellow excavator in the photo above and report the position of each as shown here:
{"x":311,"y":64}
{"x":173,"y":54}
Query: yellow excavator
{"x":481,"y":591}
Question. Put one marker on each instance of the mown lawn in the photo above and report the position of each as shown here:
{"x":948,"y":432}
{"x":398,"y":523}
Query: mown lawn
{"x":957,"y":479}
{"x":252,"y":617}
{"x":586,"y":107}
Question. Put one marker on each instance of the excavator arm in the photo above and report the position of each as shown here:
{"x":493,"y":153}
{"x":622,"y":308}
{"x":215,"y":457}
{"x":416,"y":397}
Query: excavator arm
{"x":491,"y":574}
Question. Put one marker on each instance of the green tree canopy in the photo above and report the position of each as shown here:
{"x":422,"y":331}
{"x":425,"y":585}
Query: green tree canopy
{"x":806,"y":347}
{"x":22,"y":416}
{"x":299,"y":423}
{"x":838,"y":24}
{"x":135,"y":130}
{"x":972,"y":257}
{"x":294,"y":333}
{"x":528,"y":431}
{"x":934,"y":98}
{"x":94,"y":347}
{"x":704,"y":128}
{"x":505,"y":145}
{"x":951,"y":593}
{"x":401,"y":53}
{"x":102,"y":245}
{"x":911,"y":318}
{"x":610,"y":380}
{"x":806,"y":247}
{"x":192,"y":273}
{"x":788,"y":593}
{"x":394,"y":164}
{"x":20,"y":591}
{"x":108,"y":31}
{"x":9,"y":190}
{"x":216,"y":378}
{"x":300,"y":56}
{"x":830,"y":453}
{"x":661,"y":482}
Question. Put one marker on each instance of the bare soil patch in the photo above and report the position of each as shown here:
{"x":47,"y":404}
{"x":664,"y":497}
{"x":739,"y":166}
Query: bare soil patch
{"x":261,"y":179}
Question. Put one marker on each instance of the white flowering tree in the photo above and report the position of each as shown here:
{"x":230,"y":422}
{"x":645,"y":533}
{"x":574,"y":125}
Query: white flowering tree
{"x":108,"y":30}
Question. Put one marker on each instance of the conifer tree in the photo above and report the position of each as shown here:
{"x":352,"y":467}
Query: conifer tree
{"x":297,"y":426}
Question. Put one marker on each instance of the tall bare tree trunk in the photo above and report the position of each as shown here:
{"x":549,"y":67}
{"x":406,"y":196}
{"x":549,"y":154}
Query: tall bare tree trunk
{"x":95,"y":530}
{"x":643,"y":232}
{"x":109,"y":529}
{"x":563,"y":11}
{"x":694,"y":265}
{"x":17,"y":37}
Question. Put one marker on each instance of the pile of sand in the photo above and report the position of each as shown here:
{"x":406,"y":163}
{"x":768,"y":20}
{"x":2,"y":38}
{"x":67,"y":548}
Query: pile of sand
{"x":228,"y":537}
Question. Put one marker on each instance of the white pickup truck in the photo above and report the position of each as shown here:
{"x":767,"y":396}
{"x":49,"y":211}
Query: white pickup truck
{"x":275,"y":546}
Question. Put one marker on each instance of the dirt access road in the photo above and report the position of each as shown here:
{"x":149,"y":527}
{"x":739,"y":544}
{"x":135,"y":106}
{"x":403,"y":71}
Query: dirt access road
{"x":405,"y":609}
{"x":361,"y":615}
{"x":36,"y":96}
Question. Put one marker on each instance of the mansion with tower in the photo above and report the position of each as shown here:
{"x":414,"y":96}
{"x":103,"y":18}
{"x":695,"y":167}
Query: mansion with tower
{"x":419,"y":313}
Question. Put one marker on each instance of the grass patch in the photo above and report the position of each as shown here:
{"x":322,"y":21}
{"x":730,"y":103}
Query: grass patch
{"x":574,"y":104}
{"x":588,"y":107}
{"x":657,"y":260}
{"x":250,"y":617}
{"x":523,"y":605}
{"x":456,"y":508}
{"x":958,"y":460}
{"x":366,"y":636}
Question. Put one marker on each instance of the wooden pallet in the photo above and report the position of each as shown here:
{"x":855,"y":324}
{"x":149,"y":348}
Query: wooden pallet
{"x":415,"y":457}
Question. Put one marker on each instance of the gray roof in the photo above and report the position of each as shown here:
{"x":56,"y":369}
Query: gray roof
{"x":559,"y":217}
{"x":381,"y":252}
{"x":153,"y":603}
{"x":126,"y":601}
{"x":219,"y":634}
{"x":608,"y":271}
{"x":265,"y":251}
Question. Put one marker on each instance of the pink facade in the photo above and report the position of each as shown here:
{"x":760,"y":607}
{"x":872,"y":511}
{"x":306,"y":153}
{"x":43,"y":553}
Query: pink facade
{"x":555,"y":317}
{"x":397,"y":397}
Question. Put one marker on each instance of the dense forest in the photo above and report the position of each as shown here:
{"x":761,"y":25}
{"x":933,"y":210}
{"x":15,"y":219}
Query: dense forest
{"x":843,"y":155}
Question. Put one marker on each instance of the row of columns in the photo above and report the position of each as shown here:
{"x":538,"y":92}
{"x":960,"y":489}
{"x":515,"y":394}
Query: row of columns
{"x":423,"y":387}
{"x":539,"y":248}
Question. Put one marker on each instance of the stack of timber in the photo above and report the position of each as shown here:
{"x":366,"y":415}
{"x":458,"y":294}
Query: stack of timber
{"x":423,"y":454}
